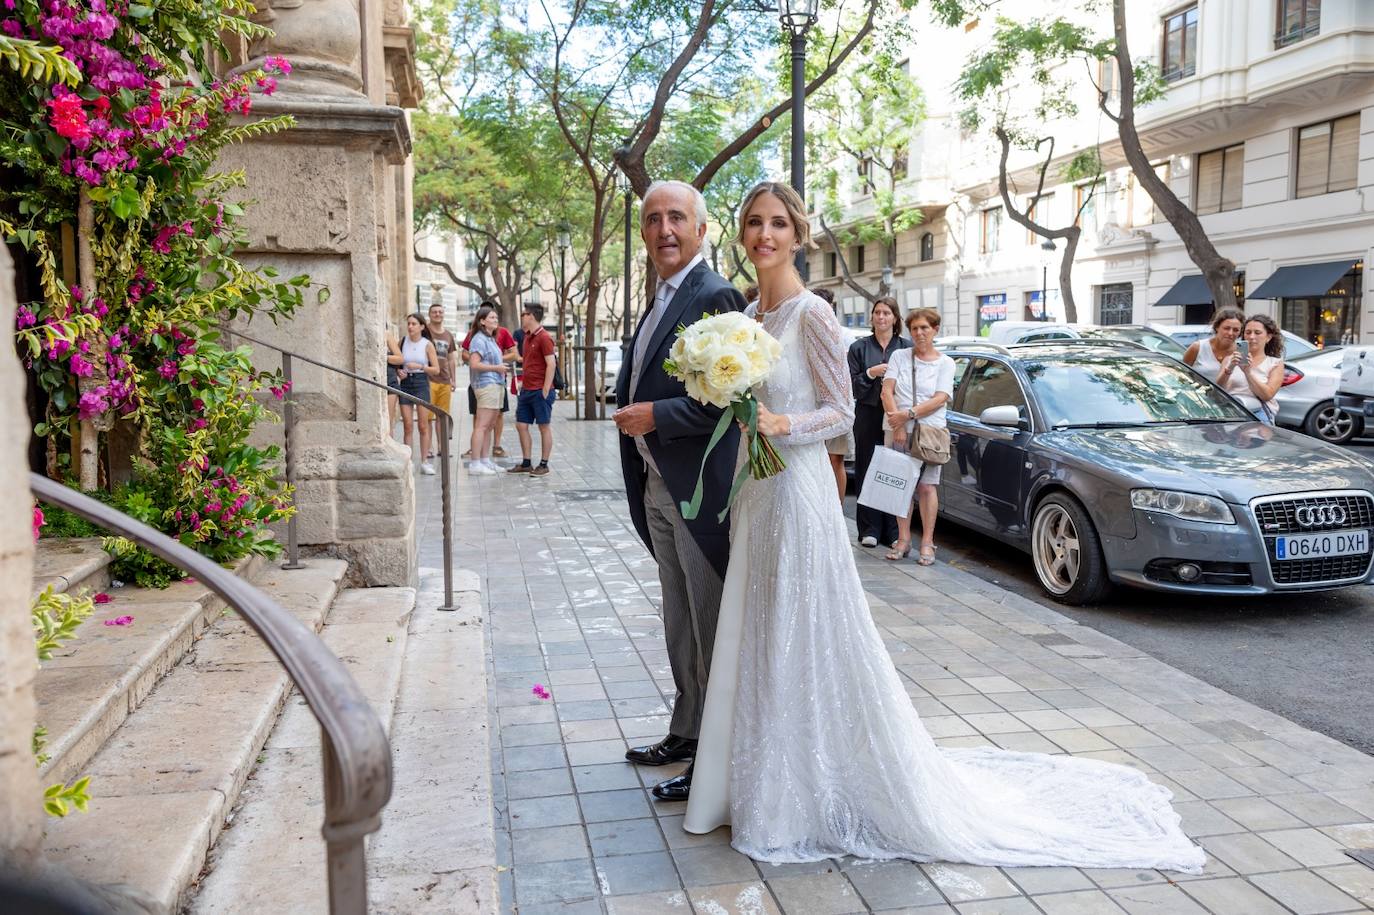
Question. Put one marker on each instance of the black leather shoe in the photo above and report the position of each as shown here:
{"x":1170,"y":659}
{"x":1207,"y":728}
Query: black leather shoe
{"x":674,"y":789}
{"x":670,"y":749}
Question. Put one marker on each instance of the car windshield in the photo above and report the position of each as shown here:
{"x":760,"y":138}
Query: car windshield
{"x":1293,"y":345}
{"x":1112,"y":389}
{"x":1150,"y":339}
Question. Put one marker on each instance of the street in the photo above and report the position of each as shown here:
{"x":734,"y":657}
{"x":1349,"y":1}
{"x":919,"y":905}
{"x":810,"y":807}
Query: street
{"x":1306,"y":657}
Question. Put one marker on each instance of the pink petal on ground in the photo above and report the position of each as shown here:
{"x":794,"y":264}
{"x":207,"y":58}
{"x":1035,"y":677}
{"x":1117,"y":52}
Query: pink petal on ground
{"x":120,"y":621}
{"x":102,"y":598}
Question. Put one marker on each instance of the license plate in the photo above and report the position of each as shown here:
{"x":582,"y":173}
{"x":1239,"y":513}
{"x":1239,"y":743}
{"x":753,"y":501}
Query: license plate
{"x":1317,"y":546}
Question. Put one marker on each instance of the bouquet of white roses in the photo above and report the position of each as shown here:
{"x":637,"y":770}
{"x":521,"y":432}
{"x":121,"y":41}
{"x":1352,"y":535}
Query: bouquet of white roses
{"x":720,"y":359}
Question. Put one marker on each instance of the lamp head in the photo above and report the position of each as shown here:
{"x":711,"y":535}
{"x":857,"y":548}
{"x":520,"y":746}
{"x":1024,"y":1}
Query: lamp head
{"x":798,"y":15}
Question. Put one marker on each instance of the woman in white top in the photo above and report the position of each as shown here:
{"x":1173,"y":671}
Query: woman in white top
{"x":419,"y":363}
{"x":1218,"y":359}
{"x":1262,"y":367}
{"x":906,"y":404}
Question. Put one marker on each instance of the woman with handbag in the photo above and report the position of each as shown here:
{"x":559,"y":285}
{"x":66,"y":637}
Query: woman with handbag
{"x":917,"y":388}
{"x":868,"y":363}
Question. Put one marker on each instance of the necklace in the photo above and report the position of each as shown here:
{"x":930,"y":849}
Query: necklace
{"x":761,"y":311}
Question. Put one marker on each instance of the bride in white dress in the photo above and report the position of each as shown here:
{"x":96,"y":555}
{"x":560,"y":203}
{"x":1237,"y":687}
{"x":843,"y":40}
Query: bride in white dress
{"x":810,"y":747}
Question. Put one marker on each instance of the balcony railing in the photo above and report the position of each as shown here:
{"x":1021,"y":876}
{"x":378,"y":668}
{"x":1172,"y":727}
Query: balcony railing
{"x":1293,"y":36}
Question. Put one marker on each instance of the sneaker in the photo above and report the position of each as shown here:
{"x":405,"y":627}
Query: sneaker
{"x":540,"y":471}
{"x":498,"y":451}
{"x":478,"y":469}
{"x":520,"y":468}
{"x":427,"y":468}
{"x":870,"y":540}
{"x":491,"y":465}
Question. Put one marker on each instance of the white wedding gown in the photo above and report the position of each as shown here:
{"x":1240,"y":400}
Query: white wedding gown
{"x":810,"y":747}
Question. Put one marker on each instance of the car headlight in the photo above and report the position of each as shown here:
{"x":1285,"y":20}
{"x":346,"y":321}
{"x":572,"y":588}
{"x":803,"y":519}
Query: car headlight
{"x":1186,"y":505}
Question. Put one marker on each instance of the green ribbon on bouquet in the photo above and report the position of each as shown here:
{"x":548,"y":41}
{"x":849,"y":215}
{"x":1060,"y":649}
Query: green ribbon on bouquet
{"x":763,"y":459}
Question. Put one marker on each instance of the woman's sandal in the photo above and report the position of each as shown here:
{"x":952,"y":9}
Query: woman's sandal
{"x":895,"y":554}
{"x":926,"y":556}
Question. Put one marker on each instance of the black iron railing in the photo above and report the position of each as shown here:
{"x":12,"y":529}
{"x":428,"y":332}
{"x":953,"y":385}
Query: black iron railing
{"x":289,"y":422}
{"x":355,"y":749}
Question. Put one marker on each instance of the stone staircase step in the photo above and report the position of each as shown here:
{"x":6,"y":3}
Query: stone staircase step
{"x":94,"y":682}
{"x":164,"y":781}
{"x":70,"y":564}
{"x":272,"y":852}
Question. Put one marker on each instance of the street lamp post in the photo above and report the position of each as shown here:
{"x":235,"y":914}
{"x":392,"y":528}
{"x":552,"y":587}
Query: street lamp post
{"x":563,"y":243}
{"x":1047,"y":248}
{"x":797,"y":18}
{"x":622,"y":182}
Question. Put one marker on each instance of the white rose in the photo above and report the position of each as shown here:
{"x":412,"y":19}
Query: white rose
{"x":729,"y":372}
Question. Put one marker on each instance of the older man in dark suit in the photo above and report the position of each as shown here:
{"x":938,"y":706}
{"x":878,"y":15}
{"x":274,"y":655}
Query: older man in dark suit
{"x":665,"y":434}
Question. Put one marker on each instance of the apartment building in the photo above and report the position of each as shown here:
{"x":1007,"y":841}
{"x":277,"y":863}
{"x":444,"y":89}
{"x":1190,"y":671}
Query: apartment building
{"x":1266,"y":131}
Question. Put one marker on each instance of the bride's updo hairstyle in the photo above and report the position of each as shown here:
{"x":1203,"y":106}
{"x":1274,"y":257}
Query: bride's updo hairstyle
{"x":791,"y":201}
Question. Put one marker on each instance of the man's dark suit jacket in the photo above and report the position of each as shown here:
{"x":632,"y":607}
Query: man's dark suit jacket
{"x":683,"y":426}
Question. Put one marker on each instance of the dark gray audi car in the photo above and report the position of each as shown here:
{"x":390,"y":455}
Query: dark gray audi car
{"x":1109,"y":463}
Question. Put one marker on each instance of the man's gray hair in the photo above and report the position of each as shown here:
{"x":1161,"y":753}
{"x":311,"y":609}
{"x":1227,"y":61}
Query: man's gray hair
{"x":698,"y":200}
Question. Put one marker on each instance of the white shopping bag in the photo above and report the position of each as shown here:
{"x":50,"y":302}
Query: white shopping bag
{"x":890,"y":482}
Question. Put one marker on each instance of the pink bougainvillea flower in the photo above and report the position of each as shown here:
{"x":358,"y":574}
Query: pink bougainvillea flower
{"x":38,"y":521}
{"x":277,"y":64}
{"x":189,"y":578}
{"x":168,"y":369}
{"x":102,"y":598}
{"x":69,"y":119}
{"x":540,"y":691}
{"x":24,"y":318}
{"x":120,"y":621}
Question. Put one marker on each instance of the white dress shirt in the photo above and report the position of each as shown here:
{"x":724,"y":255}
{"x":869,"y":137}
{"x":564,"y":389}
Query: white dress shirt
{"x":663,"y":297}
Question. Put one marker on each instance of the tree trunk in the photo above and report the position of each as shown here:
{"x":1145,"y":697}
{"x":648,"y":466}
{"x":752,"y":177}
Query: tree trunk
{"x":1218,"y":271}
{"x":589,"y":395}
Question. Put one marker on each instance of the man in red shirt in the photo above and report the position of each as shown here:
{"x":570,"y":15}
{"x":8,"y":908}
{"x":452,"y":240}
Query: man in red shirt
{"x":535,"y":403}
{"x":506,"y":342}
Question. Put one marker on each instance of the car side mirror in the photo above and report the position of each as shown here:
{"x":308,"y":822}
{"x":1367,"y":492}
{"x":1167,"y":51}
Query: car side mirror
{"x":1006,"y":415}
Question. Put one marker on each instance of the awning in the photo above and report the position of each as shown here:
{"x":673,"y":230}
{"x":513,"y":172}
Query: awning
{"x":1302,"y":280}
{"x":1189,"y":290}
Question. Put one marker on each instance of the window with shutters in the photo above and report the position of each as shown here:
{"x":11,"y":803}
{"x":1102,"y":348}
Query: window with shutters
{"x":1328,"y":156}
{"x":1220,"y":180}
{"x":1142,"y":204}
{"x":992,"y":230}
{"x":927,"y":247}
{"x":1038,"y":211}
{"x":858,"y":260}
{"x":1180,"y":44}
{"x":832,"y":265}
{"x":1298,"y":19}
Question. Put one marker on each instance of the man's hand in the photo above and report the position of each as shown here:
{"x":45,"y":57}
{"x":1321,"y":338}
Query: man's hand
{"x":635,"y":419}
{"x":897,"y":419}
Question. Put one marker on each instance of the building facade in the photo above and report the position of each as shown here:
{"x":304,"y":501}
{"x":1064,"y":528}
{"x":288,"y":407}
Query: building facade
{"x":1266,"y":131}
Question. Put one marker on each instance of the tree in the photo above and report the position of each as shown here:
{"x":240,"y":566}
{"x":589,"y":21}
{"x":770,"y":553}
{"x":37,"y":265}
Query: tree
{"x":1036,"y":54}
{"x":868,"y":116}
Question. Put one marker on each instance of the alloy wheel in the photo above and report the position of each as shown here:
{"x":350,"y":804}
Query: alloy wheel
{"x":1055,"y":548}
{"x":1332,"y":424}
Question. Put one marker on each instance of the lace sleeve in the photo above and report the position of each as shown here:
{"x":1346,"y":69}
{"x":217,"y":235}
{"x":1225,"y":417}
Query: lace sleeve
{"x":823,"y":342}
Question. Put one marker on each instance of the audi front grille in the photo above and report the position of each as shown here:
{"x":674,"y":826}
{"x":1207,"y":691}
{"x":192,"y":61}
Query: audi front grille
{"x":1315,"y":513}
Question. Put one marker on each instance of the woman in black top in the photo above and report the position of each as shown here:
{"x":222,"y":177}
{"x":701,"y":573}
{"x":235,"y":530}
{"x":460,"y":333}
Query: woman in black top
{"x":867,"y":364}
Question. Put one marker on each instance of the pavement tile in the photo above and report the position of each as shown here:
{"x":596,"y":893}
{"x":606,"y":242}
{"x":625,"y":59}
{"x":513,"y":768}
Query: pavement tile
{"x":948,"y":726}
{"x":893,"y":884}
{"x":539,"y":756}
{"x":679,"y":838}
{"x":734,"y":899}
{"x":625,"y":837}
{"x":1047,"y":720}
{"x":1209,"y":783}
{"x":1305,"y":893}
{"x":594,"y":729}
{"x":968,"y":882}
{"x":1256,"y":813}
{"x":1082,"y":902}
{"x":538,"y":783}
{"x":596,"y":752}
{"x":600,"y":806}
{"x":1201,"y":818}
{"x":1317,"y":809}
{"x":529,"y":813}
{"x":579,"y":692}
{"x":639,"y":873}
{"x":1018,"y":905}
{"x":585,"y":907}
{"x":1036,"y":880}
{"x":994,"y":685}
{"x":631,"y":689}
{"x":609,"y":777}
{"x":1113,"y":877}
{"x":1247,"y":854}
{"x":1132,"y":736}
{"x":1026,"y":742}
{"x":996,"y":723}
{"x":525,"y":735}
{"x":1309,"y":847}
{"x":1229,"y":895}
{"x":1097,"y":717}
{"x":555,"y":881}
{"x":708,"y":864}
{"x":548,"y":843}
{"x":1355,"y":879}
{"x":673,"y":901}
{"x":1078,"y":740}
{"x":1156,"y":899}
{"x":816,"y":894}
{"x":1354,"y":835}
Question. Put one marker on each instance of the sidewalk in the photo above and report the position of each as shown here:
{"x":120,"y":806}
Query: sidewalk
{"x":570,"y":599}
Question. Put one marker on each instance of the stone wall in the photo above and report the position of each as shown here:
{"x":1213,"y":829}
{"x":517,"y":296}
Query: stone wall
{"x":20,"y":797}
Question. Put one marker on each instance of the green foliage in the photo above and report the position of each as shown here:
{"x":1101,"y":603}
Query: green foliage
{"x":1086,"y":164}
{"x":55,"y":619}
{"x":40,"y":741}
{"x":60,"y":799}
{"x":38,"y":62}
{"x":134,"y":564}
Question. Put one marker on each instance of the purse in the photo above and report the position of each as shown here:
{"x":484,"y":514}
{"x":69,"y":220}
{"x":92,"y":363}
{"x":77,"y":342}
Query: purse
{"x":929,"y":444}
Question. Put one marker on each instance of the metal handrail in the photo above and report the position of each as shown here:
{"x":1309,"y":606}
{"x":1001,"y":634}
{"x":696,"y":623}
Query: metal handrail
{"x":289,"y":421}
{"x":355,"y":748}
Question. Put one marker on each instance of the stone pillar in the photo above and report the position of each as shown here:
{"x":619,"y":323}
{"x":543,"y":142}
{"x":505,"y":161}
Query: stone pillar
{"x":321,"y":201}
{"x":21,"y":808}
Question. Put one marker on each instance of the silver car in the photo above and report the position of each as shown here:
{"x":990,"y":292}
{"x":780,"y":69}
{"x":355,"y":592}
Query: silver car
{"x":1110,"y":464}
{"x":1308,"y":401}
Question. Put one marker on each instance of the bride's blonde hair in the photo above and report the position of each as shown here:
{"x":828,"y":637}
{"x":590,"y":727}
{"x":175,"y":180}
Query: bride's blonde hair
{"x":791,"y":201}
